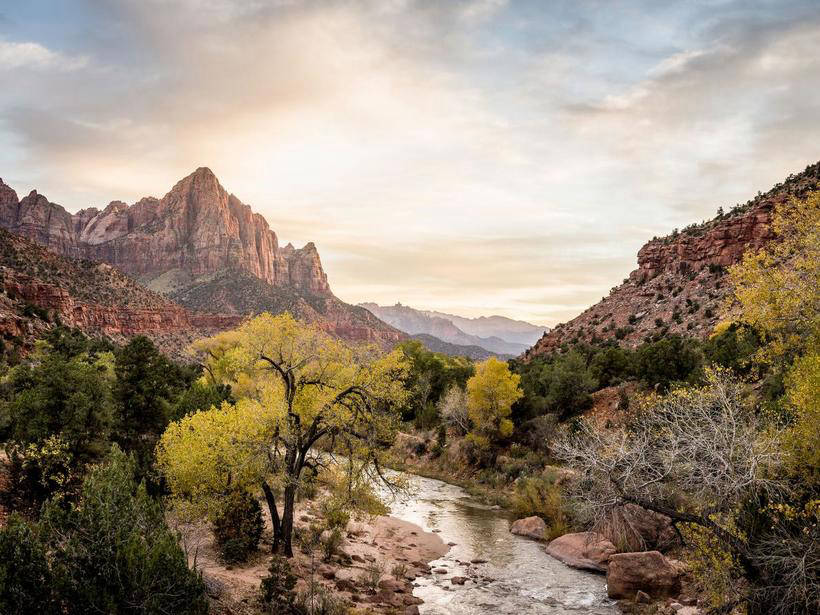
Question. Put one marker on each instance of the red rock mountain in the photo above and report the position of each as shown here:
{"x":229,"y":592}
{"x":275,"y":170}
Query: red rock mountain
{"x":679,"y":286}
{"x":200,"y":246}
{"x":39,"y":288}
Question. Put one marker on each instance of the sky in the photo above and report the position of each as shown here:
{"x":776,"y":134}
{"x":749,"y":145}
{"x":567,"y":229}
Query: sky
{"x":473,"y":156}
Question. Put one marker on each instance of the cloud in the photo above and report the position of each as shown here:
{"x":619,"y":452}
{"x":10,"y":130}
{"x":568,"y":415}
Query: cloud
{"x":511,"y":155}
{"x":35,"y":56}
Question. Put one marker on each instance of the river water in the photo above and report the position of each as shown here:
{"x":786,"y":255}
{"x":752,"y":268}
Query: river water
{"x":517,"y":578}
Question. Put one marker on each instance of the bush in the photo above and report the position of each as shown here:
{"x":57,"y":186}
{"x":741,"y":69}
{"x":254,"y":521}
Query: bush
{"x":331,"y":543}
{"x":541,"y":496}
{"x":26,"y":583}
{"x":334,"y":513}
{"x":115,"y":554}
{"x":277,"y":595}
{"x":238,"y":527}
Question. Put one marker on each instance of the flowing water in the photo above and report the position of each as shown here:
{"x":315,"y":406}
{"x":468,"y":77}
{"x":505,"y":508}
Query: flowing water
{"x":517,"y":576}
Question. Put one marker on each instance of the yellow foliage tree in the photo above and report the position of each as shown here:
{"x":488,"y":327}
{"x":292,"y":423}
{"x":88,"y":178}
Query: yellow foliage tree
{"x":778,"y":291}
{"x":491,"y":392}
{"x":299,"y":390}
{"x":778,"y":288}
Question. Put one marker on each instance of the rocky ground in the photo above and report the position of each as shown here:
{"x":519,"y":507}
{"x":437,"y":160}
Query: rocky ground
{"x":373,"y":570}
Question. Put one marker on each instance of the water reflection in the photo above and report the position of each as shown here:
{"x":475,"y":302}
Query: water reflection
{"x":517,"y":577}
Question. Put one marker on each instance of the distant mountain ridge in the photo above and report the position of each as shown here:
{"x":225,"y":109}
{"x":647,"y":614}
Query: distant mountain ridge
{"x":508,"y":337}
{"x":200,"y":246}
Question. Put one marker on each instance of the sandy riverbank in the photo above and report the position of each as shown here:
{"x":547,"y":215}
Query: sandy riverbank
{"x":393,"y":550}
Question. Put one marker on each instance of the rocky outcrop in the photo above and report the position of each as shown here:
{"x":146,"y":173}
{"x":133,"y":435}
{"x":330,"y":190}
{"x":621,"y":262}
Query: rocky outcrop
{"x":197,"y":228}
{"x":679,"y":286}
{"x":39,"y":288}
{"x":531,"y":527}
{"x":583,"y":550}
{"x":201,"y":247}
{"x":647,"y":571}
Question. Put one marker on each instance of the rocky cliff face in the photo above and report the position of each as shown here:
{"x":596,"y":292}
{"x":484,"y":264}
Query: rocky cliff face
{"x":196,"y":229}
{"x":201,"y":247}
{"x":679,"y":286}
{"x":39,"y":288}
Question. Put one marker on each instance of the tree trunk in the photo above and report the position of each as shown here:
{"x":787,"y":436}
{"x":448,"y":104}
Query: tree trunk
{"x":274,"y":516}
{"x":287,"y":519}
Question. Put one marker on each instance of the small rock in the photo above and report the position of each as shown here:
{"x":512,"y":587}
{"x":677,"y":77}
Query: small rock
{"x":451,"y":544}
{"x":326,"y":571}
{"x":642,"y":597}
{"x":478,"y":561}
{"x":440,"y":570}
{"x":357,"y":558}
{"x":437,"y":531}
{"x":411,"y":610}
{"x":676,"y":605}
{"x":458,"y":580}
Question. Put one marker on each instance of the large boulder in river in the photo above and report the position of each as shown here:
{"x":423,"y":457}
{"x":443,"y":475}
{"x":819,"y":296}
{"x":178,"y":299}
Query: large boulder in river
{"x":531,"y":527}
{"x":584,"y":550}
{"x":647,"y":571}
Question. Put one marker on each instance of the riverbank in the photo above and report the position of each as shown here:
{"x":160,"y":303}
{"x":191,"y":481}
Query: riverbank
{"x":372,"y":569}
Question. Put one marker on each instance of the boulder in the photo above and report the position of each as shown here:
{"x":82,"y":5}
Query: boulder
{"x":646,"y":571}
{"x":584,"y":550}
{"x":634,"y":528}
{"x":531,"y":527}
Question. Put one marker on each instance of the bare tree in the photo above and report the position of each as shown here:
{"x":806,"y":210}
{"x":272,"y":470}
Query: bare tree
{"x":695,"y":455}
{"x":452,"y":408}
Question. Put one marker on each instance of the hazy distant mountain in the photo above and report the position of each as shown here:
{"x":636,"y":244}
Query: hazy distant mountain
{"x":509,"y":330}
{"x":476,"y":353}
{"x":509,"y":337}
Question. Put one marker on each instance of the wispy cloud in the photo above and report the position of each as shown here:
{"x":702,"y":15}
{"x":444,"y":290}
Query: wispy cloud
{"x":508,"y":155}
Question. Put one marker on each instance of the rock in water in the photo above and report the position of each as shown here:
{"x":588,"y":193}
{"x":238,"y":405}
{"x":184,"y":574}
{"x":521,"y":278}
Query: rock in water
{"x":584,"y":550}
{"x":647,"y":571}
{"x":531,"y":527}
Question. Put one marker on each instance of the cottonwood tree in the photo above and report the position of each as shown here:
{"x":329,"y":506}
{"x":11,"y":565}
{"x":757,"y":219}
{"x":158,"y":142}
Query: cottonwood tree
{"x":491,"y":392}
{"x":298,"y":390}
{"x":699,"y":456}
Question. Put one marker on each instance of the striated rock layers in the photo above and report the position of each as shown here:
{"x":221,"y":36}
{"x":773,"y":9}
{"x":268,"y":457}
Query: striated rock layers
{"x":39,"y":288}
{"x":679,"y":286}
{"x":201,"y":247}
{"x":194,"y":230}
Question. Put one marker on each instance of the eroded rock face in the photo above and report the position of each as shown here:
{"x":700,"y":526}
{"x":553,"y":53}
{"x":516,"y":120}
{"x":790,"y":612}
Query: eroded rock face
{"x":197,"y":228}
{"x":647,"y":571}
{"x":584,"y":550}
{"x":531,"y":527}
{"x":679,"y":286}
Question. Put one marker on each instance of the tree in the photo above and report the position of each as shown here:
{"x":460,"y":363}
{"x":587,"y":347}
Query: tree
{"x":778,"y":288}
{"x":113,"y":553}
{"x":26,"y":584}
{"x":667,"y":361}
{"x":491,"y":392}
{"x":452,"y":408}
{"x":303,"y":389}
{"x":701,"y":457}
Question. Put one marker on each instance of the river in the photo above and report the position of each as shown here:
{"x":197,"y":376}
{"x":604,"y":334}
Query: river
{"x":517,"y":576}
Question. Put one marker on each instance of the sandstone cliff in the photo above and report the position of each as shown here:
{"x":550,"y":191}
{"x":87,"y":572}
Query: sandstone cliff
{"x":195,"y":229}
{"x":679,"y":286}
{"x":201,"y":247}
{"x":39,"y":288}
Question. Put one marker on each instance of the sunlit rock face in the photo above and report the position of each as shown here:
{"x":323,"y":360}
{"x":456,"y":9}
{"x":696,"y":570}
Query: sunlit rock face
{"x":197,"y":228}
{"x":199,"y":246}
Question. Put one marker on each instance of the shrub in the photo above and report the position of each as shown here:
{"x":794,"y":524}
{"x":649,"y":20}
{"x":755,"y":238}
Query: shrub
{"x":331,"y":541}
{"x":334,"y":513}
{"x":372,"y":574}
{"x":114,"y":552}
{"x":315,"y":599}
{"x":541,"y":496}
{"x":26,"y":583}
{"x":399,"y":571}
{"x":277,"y":595}
{"x":238,"y":527}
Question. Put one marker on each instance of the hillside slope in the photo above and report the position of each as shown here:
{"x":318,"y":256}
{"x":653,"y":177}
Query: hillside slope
{"x":39,"y":288}
{"x":679,"y":286}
